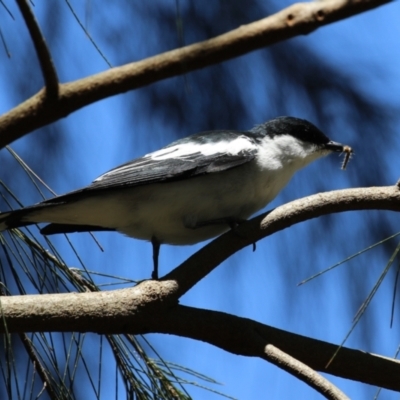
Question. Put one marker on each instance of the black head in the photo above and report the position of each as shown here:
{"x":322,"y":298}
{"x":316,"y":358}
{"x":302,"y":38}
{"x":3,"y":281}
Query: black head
{"x":298,"y":128}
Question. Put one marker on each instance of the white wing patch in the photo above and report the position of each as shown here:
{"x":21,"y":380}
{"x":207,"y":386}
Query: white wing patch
{"x":234,"y":147}
{"x":183,"y":151}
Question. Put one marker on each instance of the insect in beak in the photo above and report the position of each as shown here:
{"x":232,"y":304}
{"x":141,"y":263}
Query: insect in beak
{"x":348,"y":152}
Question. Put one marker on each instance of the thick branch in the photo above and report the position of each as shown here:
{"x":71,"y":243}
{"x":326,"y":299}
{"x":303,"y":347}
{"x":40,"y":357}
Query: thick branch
{"x":249,"y":338}
{"x":42,"y":51}
{"x":120,"y":312}
{"x":301,"y":18}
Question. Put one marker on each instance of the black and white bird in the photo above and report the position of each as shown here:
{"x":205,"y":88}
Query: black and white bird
{"x":191,"y":190}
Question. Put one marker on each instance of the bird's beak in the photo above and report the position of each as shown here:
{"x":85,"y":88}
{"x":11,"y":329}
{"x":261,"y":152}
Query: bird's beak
{"x":334,"y":146}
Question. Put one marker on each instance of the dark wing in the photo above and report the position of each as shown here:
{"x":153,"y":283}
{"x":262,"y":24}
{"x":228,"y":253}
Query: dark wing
{"x":196,"y":155}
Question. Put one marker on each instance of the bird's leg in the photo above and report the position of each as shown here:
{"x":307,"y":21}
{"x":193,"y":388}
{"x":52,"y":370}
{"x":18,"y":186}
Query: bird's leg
{"x":156,"y":251}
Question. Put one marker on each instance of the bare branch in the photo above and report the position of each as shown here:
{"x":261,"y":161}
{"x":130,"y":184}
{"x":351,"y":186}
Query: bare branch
{"x":249,"y":338}
{"x":301,"y":18}
{"x":123,"y":311}
{"x":103,"y":312}
{"x":303,"y":372}
{"x":42,"y":51}
{"x":210,"y":256}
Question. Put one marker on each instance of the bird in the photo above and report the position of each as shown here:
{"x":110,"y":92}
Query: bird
{"x":194,"y":189}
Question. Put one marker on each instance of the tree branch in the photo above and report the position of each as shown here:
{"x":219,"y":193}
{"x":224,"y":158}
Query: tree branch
{"x":210,"y":256}
{"x":249,"y":338}
{"x":42,"y":51}
{"x":301,"y":18}
{"x":119,"y":312}
{"x":303,"y":372}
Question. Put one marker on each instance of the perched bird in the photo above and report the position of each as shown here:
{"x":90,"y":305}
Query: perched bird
{"x":191,"y":190}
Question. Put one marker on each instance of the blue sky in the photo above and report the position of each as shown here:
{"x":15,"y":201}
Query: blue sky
{"x":261,"y":285}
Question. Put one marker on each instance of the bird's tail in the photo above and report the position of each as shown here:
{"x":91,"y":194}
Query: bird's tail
{"x":34,"y":214}
{"x":14,"y":219}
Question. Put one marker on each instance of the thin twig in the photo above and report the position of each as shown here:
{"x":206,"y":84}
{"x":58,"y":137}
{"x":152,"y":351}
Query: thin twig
{"x":46,"y":63}
{"x":102,"y":55}
{"x":47,"y":384}
{"x":5,"y":44}
{"x":7,"y":9}
{"x":303,"y":372}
